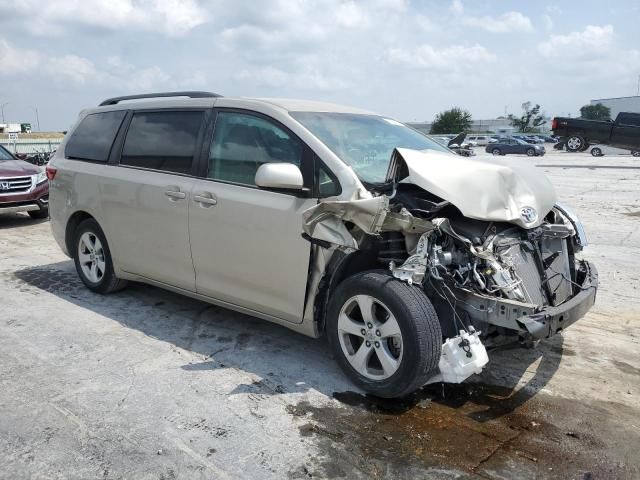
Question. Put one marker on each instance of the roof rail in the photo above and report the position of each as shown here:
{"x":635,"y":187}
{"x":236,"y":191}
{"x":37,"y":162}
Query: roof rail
{"x":116,"y":100}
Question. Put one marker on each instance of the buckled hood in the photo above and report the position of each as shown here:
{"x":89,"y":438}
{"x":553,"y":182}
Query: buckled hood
{"x":496,"y":189}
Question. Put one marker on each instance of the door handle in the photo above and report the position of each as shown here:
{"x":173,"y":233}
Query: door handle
{"x":205,"y":199}
{"x":175,"y":195}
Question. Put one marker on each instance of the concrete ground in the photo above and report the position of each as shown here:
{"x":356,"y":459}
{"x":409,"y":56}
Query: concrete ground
{"x":148,"y":384}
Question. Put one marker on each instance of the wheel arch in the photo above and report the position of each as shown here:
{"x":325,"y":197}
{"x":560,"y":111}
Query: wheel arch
{"x":340,"y":267}
{"x":72,"y":224}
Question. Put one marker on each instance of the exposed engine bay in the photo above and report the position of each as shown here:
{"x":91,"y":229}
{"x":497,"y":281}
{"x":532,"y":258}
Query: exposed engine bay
{"x":498,"y":268}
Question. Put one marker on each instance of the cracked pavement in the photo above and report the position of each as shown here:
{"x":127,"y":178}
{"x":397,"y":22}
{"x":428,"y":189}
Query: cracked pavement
{"x":149,"y":384}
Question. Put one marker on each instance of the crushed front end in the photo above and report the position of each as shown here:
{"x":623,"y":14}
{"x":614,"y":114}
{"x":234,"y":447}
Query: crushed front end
{"x":491,"y":248}
{"x":504,"y":280}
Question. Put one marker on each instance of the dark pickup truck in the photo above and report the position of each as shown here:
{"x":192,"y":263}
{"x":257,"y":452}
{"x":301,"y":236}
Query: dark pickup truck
{"x":579,"y":133}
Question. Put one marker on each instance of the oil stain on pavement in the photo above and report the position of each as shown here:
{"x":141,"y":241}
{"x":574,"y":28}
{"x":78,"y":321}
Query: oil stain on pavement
{"x":467,"y":431}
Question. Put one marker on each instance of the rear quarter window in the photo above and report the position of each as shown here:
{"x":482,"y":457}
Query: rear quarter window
{"x":163,"y":140}
{"x":93,"y":137}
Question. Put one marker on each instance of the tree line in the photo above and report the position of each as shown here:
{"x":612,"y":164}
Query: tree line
{"x":456,"y":119}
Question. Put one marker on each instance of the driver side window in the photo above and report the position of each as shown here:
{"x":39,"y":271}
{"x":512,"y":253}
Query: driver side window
{"x":242,"y":142}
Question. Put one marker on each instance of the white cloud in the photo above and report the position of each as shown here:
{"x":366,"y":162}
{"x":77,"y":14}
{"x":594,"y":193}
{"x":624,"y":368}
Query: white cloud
{"x":507,"y":22}
{"x":452,"y":58}
{"x":592,"y":42}
{"x":171,"y":17}
{"x":306,"y":79}
{"x":457,"y":7}
{"x":16,"y":61}
{"x":351,"y":15}
{"x":76,"y":69}
{"x":81,"y":71}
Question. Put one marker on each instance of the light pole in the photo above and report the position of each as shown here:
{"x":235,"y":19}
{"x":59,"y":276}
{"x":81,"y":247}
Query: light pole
{"x":2,"y":108}
{"x":37,"y":116}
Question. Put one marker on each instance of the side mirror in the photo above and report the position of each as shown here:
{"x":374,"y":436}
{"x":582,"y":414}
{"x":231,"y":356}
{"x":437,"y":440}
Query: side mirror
{"x":279,"y":175}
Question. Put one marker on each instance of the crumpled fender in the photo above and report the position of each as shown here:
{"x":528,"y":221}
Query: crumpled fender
{"x":326,"y":221}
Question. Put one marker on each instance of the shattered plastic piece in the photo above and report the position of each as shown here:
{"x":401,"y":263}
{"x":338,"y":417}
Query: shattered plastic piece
{"x":461,"y":357}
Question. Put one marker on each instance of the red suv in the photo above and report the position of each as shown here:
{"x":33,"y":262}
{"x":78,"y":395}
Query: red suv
{"x":23,"y":187}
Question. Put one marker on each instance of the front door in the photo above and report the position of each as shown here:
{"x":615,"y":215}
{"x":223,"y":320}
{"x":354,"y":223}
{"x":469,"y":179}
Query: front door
{"x":246,"y":242}
{"x":149,"y":193}
{"x":626,"y":130}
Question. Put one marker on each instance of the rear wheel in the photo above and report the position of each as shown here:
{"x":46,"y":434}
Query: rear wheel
{"x":92,"y":258}
{"x":496,"y":151}
{"x":384,"y":333}
{"x":575,"y":143}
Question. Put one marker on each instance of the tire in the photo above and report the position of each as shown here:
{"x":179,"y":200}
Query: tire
{"x":575,"y":143}
{"x":409,"y":362}
{"x":39,"y":214}
{"x":596,"y":152}
{"x":496,"y":151}
{"x":635,"y":153}
{"x":531,"y":152}
{"x":585,"y":147}
{"x":87,"y":260}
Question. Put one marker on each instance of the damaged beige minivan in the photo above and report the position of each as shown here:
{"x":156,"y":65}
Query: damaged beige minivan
{"x":326,"y":219}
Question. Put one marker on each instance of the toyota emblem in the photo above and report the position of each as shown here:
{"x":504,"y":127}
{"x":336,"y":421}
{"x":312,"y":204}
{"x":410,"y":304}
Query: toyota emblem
{"x":528,"y":214}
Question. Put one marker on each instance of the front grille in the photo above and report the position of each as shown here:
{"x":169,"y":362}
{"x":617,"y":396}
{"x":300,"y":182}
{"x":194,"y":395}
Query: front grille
{"x":15,"y":185}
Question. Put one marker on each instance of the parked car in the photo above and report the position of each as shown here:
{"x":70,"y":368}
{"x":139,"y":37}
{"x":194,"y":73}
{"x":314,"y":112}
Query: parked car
{"x":514,"y":145}
{"x":459,"y":145}
{"x":579,"y":133}
{"x":602,"y":150}
{"x":327,"y":220}
{"x":479,"y":140}
{"x":23,"y":186}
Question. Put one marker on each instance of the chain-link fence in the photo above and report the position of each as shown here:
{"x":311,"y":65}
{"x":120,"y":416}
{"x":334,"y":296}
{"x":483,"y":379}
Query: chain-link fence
{"x":30,"y":147}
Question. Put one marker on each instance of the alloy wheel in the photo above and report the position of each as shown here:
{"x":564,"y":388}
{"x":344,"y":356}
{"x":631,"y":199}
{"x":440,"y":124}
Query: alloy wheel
{"x":370,"y":337}
{"x":91,"y":257}
{"x":574,"y":143}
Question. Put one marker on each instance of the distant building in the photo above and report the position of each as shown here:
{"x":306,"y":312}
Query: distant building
{"x":620,"y":104}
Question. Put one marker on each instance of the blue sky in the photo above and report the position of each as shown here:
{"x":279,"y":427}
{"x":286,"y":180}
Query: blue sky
{"x":405,"y":58}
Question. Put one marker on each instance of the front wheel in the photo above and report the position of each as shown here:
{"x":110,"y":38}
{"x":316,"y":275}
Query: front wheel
{"x":575,"y":143}
{"x":596,"y":152}
{"x":92,"y":258}
{"x":384,"y":333}
{"x":531,"y":152}
{"x":635,"y":153}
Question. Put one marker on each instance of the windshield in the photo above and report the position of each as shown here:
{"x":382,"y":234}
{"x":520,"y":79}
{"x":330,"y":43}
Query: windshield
{"x":4,"y":154}
{"x":365,"y":142}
